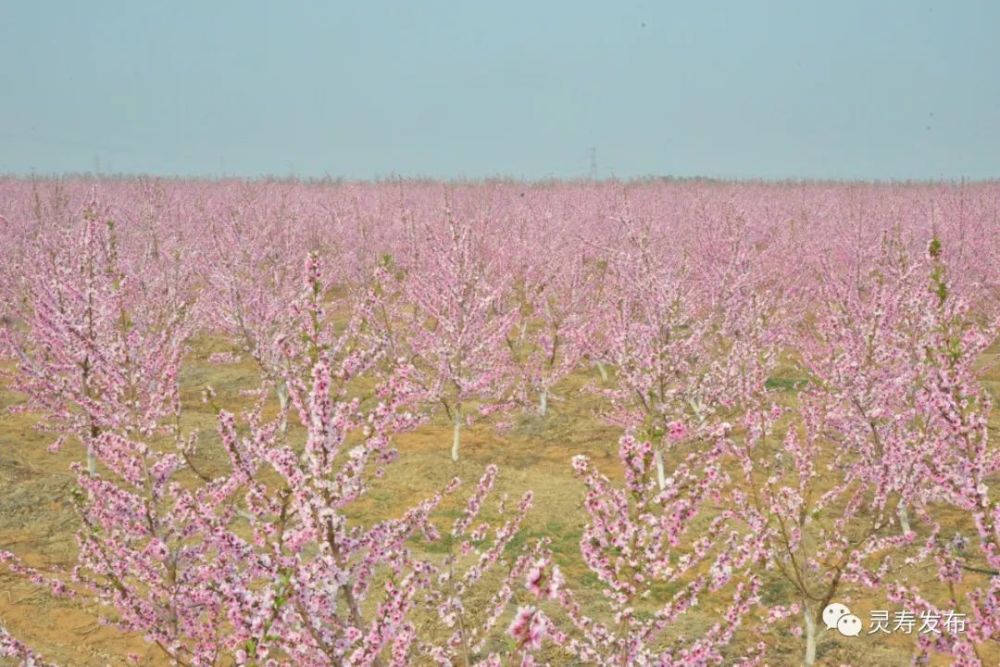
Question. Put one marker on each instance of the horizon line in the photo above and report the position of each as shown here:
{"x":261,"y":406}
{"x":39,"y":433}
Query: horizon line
{"x":496,"y":179}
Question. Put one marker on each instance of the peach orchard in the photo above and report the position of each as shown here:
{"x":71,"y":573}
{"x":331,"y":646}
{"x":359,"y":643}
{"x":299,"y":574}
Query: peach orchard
{"x":371,"y":310}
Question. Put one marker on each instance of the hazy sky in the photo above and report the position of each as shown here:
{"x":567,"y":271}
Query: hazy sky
{"x":366,"y":89}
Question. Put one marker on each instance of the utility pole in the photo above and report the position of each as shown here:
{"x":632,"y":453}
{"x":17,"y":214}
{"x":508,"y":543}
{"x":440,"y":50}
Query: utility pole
{"x":593,"y":163}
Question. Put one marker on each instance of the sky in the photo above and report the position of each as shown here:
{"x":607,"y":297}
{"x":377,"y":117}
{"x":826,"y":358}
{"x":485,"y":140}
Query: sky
{"x":844,"y":89}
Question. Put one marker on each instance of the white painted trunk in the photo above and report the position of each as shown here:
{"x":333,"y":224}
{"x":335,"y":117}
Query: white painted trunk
{"x":810,"y":657}
{"x":904,"y":517}
{"x":91,"y":461}
{"x":603,"y":370}
{"x":457,"y":436}
{"x":661,"y":476}
{"x":282,"y":391}
{"x":698,"y":408}
{"x":543,"y":402}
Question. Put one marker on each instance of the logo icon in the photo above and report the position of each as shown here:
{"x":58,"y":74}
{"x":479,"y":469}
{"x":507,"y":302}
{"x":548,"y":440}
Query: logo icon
{"x":838,"y":617}
{"x":832,"y":614}
{"x":849,"y":625}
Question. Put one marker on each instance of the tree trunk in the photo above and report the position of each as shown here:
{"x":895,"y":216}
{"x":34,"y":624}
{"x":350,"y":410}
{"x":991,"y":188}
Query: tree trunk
{"x":810,"y":657}
{"x":457,"y":436}
{"x":543,"y":402}
{"x":282,"y":391}
{"x":603,"y":370}
{"x":661,"y":476}
{"x":91,"y":457}
{"x":904,"y":517}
